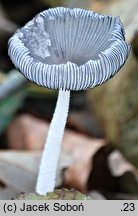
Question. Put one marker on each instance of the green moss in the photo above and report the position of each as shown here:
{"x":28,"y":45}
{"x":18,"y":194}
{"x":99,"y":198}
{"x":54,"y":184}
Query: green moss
{"x":58,"y":194}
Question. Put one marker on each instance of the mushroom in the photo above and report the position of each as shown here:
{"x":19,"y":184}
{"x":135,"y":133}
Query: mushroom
{"x":66,"y":49}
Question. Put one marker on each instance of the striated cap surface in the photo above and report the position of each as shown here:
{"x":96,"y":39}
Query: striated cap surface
{"x":70,"y":49}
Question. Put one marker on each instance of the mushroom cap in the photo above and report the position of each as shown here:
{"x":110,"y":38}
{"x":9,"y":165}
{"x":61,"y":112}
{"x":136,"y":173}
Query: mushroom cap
{"x":70,"y":49}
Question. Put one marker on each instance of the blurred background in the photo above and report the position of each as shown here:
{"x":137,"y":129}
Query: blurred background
{"x":100,"y":148}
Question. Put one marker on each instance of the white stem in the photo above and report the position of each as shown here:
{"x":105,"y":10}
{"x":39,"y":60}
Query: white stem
{"x":49,"y":161}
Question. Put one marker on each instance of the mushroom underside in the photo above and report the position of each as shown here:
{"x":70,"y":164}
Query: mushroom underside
{"x":67,"y":38}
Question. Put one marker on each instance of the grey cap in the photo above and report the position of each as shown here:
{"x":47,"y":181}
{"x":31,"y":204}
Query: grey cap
{"x":70,"y":49}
